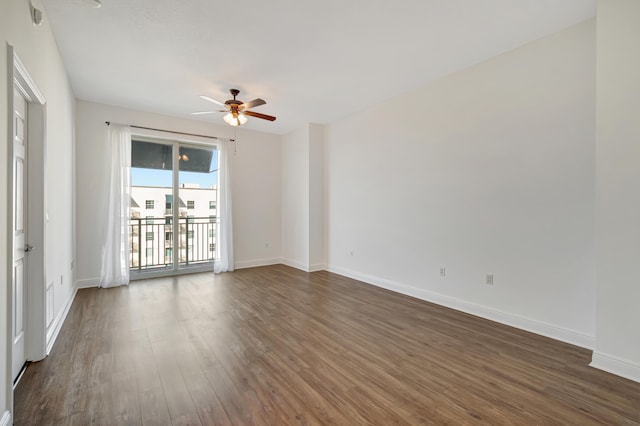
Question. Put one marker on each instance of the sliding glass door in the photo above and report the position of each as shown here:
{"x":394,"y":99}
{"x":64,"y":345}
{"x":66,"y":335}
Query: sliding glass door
{"x":173,"y":220}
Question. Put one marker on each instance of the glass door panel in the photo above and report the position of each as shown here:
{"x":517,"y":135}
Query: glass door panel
{"x":198,"y":199}
{"x":150,"y":233}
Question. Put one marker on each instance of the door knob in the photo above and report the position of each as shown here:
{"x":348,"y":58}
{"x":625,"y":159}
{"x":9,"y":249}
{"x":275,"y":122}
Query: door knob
{"x":28,"y":248}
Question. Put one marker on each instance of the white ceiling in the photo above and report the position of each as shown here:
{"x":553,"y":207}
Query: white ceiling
{"x":312,"y":61}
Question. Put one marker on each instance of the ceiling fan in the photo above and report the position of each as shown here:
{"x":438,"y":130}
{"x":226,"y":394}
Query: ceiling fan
{"x":237,"y":111}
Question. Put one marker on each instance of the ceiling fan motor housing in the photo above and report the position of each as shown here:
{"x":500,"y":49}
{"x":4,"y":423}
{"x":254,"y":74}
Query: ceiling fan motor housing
{"x":234,"y":101}
{"x":234,"y":104}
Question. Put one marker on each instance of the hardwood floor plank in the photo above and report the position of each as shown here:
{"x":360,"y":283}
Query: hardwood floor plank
{"x":209,"y":408}
{"x":231,"y":399}
{"x":274,"y":345}
{"x":154,"y":410}
{"x":124,"y":394}
{"x":179,"y":403}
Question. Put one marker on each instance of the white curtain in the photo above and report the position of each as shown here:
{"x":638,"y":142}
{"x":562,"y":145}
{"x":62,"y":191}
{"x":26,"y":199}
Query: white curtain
{"x":224,"y":236}
{"x":115,"y":249}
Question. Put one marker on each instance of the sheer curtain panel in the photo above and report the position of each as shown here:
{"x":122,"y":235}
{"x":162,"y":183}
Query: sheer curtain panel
{"x":224,"y":236}
{"x":115,"y":249}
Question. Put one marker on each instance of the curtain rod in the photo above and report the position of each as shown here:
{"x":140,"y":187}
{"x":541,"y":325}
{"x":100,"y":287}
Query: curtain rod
{"x":108,"y":123}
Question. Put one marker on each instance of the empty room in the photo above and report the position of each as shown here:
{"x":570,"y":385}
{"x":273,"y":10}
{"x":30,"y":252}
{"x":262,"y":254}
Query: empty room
{"x":273,"y":213}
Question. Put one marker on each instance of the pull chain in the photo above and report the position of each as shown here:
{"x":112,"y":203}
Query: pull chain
{"x":235,"y":143}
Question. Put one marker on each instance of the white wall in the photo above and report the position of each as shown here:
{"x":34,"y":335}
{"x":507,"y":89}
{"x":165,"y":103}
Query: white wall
{"x":295,"y":198}
{"x":37,"y":49}
{"x":256,"y":184}
{"x":618,"y":188}
{"x":490,"y":170}
{"x":257,"y":204}
{"x":316,"y":197}
{"x":303,"y":198}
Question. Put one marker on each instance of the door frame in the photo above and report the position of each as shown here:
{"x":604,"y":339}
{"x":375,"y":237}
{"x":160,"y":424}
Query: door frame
{"x":148,"y":135}
{"x":35,"y":309}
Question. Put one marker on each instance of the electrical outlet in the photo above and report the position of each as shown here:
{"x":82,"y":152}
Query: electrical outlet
{"x":489,"y":279}
{"x":443,"y":272}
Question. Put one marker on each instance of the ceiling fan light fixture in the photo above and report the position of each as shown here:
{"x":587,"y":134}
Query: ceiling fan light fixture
{"x":237,"y":111}
{"x":235,"y":119}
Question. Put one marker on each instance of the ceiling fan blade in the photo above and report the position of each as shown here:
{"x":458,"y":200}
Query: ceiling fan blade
{"x":202,"y":112}
{"x":207,"y":98}
{"x":258,"y":115}
{"x":253,"y":103}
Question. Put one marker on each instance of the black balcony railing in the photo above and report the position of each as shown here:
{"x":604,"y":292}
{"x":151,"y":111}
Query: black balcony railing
{"x":151,"y":242}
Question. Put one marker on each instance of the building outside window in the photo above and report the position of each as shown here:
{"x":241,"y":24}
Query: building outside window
{"x":191,"y":205}
{"x":168,"y":236}
{"x":212,"y":233}
{"x":212,"y":205}
{"x":168,"y":220}
{"x":212,"y":247}
{"x":150,"y":252}
{"x":149,"y":236}
{"x":189,"y":234}
{"x":149,"y":220}
{"x":149,"y":204}
{"x":212,"y":218}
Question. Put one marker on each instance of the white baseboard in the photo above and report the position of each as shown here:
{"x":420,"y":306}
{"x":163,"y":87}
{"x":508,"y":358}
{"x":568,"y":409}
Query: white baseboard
{"x":528,"y":324}
{"x":6,"y":419}
{"x":620,"y":367}
{"x":317,"y":267}
{"x":257,"y":262}
{"x":295,"y":264}
{"x":304,"y":266}
{"x":88,"y":283}
{"x":56,"y":325}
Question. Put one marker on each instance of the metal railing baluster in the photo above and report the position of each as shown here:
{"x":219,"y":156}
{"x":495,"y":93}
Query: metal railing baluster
{"x":195,"y":242}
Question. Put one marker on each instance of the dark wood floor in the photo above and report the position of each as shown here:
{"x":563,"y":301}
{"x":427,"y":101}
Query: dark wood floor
{"x":276,"y":346}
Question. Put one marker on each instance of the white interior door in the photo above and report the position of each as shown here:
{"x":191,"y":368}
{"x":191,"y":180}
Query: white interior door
{"x":20,"y":247}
